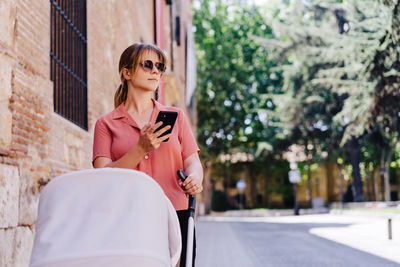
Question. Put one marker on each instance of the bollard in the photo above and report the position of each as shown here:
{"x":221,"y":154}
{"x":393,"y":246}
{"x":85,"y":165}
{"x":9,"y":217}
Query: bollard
{"x":390,"y":228}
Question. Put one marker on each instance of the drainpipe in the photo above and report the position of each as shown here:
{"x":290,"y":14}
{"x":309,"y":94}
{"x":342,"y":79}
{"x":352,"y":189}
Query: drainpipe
{"x":160,"y":42}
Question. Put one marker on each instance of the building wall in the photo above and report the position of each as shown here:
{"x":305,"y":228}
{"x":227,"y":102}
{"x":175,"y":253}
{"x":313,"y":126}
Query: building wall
{"x":37,"y":144}
{"x":325,"y":183}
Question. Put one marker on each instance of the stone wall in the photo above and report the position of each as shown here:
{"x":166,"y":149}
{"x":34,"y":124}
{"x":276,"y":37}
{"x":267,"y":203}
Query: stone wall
{"x":37,"y":144}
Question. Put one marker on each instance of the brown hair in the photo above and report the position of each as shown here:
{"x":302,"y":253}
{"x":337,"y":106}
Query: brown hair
{"x":130,"y":59}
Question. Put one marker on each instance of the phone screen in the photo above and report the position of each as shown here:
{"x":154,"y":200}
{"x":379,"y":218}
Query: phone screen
{"x":168,"y":118}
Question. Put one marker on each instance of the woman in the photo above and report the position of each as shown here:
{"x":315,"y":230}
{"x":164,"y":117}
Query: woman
{"x":126,"y":137}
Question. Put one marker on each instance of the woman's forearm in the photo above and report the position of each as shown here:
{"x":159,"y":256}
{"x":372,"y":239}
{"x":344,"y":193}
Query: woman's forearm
{"x":192,"y":166}
{"x":196,"y":170}
{"x":130,"y":160}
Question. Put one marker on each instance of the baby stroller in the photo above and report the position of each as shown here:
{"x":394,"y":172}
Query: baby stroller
{"x":105,"y":217}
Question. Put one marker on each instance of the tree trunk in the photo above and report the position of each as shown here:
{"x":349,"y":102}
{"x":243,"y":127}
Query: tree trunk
{"x":381,"y":170}
{"x":353,"y":148}
{"x":253,"y":186}
{"x":207,"y":187}
{"x":266,"y":194}
{"x":376,"y":191}
{"x":386,"y":173}
{"x":309,"y":189}
{"x":227,"y":177}
{"x":341,"y":185}
{"x":368,"y":198}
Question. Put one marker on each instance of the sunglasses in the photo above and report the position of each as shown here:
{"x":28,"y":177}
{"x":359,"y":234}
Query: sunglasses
{"x":148,"y":65}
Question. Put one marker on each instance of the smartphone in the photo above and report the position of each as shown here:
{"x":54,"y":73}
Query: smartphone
{"x":168,"y":118}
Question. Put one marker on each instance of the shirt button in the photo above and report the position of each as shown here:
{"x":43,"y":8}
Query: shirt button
{"x":146,"y":157}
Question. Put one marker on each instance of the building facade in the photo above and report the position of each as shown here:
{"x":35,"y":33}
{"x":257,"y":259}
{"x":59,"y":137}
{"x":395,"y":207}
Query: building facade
{"x":58,"y":74}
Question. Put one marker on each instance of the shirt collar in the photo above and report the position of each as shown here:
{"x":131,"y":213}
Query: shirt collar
{"x":158,"y":105}
{"x":121,"y":113}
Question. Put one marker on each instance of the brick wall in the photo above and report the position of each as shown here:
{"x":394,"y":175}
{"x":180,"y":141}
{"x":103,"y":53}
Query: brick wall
{"x":37,"y":144}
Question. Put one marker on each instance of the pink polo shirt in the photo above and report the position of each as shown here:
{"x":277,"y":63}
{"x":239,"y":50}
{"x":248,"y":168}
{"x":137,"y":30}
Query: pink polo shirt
{"x":116,"y":133}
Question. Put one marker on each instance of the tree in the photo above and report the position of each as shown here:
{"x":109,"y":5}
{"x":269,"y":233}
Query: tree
{"x":385,"y":69}
{"x":338,"y":72}
{"x":307,"y":108}
{"x":233,"y":73}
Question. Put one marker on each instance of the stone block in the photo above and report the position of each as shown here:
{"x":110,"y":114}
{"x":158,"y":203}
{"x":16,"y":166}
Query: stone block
{"x":32,"y":174}
{"x":5,"y":129}
{"x":6,"y":246}
{"x":23,"y":246}
{"x":9,"y":196}
{"x":5,"y":77}
{"x":73,"y":149}
{"x":16,"y":246}
{"x":29,"y":198}
{"x":7,"y":21}
{"x":5,"y":95}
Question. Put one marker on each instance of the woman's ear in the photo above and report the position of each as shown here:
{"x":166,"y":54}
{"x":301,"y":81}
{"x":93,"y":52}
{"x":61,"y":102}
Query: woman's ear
{"x":127,"y":73}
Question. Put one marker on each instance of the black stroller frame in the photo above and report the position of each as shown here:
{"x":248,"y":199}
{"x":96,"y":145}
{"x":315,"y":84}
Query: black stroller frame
{"x":190,"y":234}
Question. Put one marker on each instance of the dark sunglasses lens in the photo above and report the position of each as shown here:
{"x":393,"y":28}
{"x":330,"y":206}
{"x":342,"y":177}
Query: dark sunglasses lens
{"x":148,"y":64}
{"x":160,"y":66}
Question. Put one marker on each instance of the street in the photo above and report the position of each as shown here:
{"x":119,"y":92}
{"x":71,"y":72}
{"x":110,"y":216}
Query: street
{"x":296,"y":241}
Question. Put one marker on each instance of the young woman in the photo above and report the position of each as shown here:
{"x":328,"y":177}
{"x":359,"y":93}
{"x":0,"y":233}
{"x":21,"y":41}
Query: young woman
{"x":126,"y":137}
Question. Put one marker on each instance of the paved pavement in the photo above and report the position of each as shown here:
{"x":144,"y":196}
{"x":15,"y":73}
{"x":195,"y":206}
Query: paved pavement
{"x":230,"y":239}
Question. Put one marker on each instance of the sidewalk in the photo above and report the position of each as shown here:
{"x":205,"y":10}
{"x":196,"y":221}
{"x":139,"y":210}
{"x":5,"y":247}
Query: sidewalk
{"x":365,"y":231}
{"x":267,"y":212}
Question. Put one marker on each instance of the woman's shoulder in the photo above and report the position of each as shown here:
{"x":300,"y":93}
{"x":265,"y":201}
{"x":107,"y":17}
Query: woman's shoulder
{"x":169,"y":108}
{"x":109,"y":116}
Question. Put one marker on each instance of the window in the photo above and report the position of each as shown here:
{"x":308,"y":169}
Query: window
{"x":68,"y":63}
{"x":178,"y":30}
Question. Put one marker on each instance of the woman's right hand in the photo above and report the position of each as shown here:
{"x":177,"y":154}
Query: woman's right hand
{"x":149,"y":140}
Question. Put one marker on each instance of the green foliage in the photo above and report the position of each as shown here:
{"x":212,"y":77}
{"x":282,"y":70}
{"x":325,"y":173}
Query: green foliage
{"x":341,"y":70}
{"x":317,"y":73}
{"x":306,"y":109}
{"x":333,"y":79}
{"x":385,"y":70}
{"x":233,"y":72}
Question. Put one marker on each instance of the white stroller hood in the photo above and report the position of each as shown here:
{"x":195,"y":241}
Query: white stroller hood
{"x":105,"y":217}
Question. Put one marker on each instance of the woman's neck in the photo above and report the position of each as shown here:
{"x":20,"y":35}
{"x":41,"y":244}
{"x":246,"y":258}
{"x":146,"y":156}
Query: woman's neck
{"x":138,"y":101}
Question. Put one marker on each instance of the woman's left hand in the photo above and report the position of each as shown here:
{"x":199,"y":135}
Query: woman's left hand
{"x":192,"y":185}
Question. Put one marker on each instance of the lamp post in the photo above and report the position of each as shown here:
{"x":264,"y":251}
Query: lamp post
{"x":241,"y":185}
{"x":294,"y":178}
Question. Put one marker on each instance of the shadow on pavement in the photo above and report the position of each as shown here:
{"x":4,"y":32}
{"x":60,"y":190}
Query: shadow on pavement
{"x":233,"y":243}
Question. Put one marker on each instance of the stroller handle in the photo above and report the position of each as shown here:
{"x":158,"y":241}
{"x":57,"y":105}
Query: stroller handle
{"x":182,"y":175}
{"x":192,"y":199}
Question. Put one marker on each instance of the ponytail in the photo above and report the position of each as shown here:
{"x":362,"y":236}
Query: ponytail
{"x":156,"y":94}
{"x":121,"y":94}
